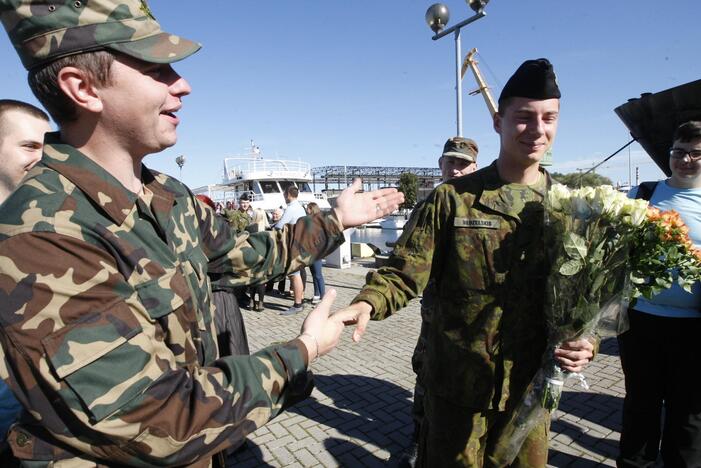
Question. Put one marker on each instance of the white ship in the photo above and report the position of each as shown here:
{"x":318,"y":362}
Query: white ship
{"x":265,"y":181}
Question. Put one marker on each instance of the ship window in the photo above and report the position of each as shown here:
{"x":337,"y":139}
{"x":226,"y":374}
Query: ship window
{"x":286,"y":183}
{"x":269,"y":186}
{"x":304,"y":187}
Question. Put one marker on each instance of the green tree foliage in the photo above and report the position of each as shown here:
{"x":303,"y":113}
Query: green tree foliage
{"x":575,"y":179}
{"x":409,"y":186}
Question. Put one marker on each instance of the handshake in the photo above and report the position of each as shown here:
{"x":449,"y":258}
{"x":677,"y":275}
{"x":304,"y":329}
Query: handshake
{"x":321,"y":330}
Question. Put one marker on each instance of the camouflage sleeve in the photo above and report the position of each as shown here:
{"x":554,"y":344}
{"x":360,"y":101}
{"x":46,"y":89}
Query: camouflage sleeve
{"x":93,"y":362}
{"x":246,"y":258}
{"x":409,"y":267}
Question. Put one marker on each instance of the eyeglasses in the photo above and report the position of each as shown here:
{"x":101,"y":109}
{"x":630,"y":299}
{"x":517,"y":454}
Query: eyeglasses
{"x":677,"y":153}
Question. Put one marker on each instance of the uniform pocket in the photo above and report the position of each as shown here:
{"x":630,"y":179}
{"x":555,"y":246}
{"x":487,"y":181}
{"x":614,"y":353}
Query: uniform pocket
{"x":161,"y":296}
{"x":482,"y":255}
{"x":101,"y":358}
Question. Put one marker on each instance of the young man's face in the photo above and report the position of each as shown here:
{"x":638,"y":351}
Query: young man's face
{"x":452,"y":167}
{"x":21,"y":143}
{"x":685,"y":171}
{"x":139,"y":105}
{"x":244,"y":205}
{"x":527,"y":129}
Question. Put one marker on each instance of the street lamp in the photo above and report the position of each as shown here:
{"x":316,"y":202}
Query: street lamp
{"x":180,"y":161}
{"x":437,"y":17}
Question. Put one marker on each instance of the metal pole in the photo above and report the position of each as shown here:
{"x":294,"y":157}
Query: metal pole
{"x":458,"y":80}
{"x":469,"y":20}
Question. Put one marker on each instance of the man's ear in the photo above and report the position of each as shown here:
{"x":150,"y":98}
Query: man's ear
{"x":79,"y":87}
{"x":497,"y":123}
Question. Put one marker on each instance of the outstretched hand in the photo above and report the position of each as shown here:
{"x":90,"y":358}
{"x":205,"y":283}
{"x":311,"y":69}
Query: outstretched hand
{"x":353,"y":208}
{"x":320,"y":333}
{"x":357,"y":314}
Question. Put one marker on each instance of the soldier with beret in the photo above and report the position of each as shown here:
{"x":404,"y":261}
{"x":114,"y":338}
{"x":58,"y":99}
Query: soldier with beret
{"x":106,"y":311}
{"x":479,"y":238}
{"x":239,"y":219}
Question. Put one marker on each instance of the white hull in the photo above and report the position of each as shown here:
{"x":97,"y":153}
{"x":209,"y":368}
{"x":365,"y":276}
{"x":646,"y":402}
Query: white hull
{"x":264,"y":180}
{"x":393,"y":222}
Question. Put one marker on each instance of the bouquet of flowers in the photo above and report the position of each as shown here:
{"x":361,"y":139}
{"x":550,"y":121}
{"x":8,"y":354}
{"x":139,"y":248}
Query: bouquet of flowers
{"x":663,"y":254}
{"x":588,"y":233}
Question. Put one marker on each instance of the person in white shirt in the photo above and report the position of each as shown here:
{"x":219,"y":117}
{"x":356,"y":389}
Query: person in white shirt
{"x":292,"y":213}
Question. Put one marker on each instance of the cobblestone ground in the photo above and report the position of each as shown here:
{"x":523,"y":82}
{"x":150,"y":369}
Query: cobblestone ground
{"x":359,"y":414}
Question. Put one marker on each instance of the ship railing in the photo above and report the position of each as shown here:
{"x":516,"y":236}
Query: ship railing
{"x":237,"y":168}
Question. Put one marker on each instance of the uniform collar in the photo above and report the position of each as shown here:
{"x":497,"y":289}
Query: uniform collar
{"x":98,"y":184}
{"x":495,"y":199}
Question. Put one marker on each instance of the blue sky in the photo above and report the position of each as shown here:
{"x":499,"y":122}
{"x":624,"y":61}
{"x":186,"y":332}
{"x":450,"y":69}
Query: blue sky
{"x":362,"y":83}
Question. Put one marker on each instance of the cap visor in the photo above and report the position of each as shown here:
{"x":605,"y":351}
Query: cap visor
{"x":159,"y":48}
{"x":459,"y":155}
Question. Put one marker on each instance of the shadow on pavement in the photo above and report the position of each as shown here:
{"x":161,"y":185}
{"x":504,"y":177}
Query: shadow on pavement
{"x":561,"y":460}
{"x":365,"y":410}
{"x":248,"y":455}
{"x":602,"y":410}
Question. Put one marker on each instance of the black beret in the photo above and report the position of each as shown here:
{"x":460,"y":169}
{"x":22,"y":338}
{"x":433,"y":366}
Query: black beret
{"x":245,"y":197}
{"x":534,"y":79}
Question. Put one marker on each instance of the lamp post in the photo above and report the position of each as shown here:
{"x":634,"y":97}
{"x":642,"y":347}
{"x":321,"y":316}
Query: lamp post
{"x":180,"y":161}
{"x":437,"y":17}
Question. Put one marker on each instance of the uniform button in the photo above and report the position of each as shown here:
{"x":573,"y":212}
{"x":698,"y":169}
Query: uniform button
{"x":22,"y":439}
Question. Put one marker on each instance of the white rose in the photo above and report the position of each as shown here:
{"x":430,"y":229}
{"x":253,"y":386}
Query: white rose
{"x":558,"y":197}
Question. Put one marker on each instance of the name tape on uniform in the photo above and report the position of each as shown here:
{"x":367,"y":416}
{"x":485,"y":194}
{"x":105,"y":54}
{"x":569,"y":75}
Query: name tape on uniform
{"x":476,"y":223}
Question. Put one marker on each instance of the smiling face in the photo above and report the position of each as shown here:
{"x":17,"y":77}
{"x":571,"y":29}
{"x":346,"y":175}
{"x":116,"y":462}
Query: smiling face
{"x":686,"y":172}
{"x":527,"y":128}
{"x":140,"y":103}
{"x":21,"y":143}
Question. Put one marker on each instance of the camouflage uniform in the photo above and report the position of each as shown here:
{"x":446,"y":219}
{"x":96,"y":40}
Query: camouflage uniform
{"x":480,"y":240}
{"x":107,"y":318}
{"x":238,"y":220}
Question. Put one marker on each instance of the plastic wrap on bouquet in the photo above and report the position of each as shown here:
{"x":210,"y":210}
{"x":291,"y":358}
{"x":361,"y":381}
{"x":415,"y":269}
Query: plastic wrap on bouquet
{"x":587,"y":250}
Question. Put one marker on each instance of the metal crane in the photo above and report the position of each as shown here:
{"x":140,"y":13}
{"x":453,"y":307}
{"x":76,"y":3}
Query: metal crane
{"x":483,"y":89}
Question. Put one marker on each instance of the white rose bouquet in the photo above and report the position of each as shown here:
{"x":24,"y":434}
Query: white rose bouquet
{"x":588,"y":233}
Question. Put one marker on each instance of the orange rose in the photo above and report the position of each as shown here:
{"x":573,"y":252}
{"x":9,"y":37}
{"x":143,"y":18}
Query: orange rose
{"x":653,"y":214}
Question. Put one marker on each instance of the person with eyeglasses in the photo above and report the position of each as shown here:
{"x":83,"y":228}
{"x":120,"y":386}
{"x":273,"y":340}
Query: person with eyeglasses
{"x":659,"y":351}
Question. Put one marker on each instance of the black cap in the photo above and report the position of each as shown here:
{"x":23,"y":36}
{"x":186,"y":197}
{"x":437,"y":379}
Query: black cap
{"x":534,"y":79}
{"x":244,"y":197}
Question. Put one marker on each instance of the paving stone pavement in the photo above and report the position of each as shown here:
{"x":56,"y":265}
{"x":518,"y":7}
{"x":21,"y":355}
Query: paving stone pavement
{"x":359,"y":414}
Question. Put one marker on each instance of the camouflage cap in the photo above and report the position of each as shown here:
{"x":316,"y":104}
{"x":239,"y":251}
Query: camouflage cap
{"x":459,"y":147}
{"x":44,"y":30}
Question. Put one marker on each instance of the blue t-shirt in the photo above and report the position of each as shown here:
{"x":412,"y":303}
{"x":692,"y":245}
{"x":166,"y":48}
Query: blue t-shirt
{"x":675,"y":302}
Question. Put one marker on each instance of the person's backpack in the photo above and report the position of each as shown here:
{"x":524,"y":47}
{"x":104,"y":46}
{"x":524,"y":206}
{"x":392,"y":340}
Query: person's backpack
{"x":646,"y":189}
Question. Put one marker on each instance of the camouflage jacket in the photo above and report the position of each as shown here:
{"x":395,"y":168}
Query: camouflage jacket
{"x":238,"y":220}
{"x":480,"y":240}
{"x":106,"y":318}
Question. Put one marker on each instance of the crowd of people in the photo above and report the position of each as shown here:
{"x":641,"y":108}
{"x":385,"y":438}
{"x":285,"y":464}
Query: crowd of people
{"x":128,"y":346}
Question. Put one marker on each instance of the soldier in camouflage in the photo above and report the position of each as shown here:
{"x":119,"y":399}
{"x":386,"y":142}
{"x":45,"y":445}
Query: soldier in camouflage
{"x":459,"y":158}
{"x":479,"y":237}
{"x":105,"y":306}
{"x":239,"y":219}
